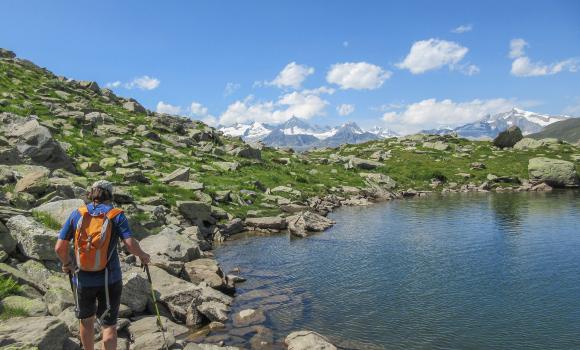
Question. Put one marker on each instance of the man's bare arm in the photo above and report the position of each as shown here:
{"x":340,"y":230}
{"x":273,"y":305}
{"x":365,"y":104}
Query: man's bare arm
{"x":134,"y":248}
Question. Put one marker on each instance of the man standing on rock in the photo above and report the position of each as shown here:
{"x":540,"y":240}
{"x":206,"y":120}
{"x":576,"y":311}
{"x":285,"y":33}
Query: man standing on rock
{"x":95,"y":230}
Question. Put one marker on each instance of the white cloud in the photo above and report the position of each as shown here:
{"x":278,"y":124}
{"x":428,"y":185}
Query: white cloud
{"x":144,"y":83}
{"x":345,"y":109}
{"x":292,"y":76}
{"x":573,"y":109}
{"x":198,"y":109}
{"x":357,"y":75}
{"x":319,"y":91}
{"x":430,"y":113}
{"x":231,"y":88}
{"x":522,"y":66}
{"x":114,"y":84}
{"x":345,"y":43}
{"x":426,"y":55}
{"x":464,"y":28}
{"x":166,"y":108}
{"x":299,"y":104}
{"x":517,"y":48}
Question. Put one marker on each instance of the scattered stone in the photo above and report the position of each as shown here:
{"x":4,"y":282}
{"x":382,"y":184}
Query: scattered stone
{"x":136,"y":290}
{"x":214,"y":311}
{"x":181,"y":174}
{"x":437,"y":145}
{"x":266,"y":223}
{"x":204,"y":270}
{"x":477,"y":166}
{"x":227,"y":166}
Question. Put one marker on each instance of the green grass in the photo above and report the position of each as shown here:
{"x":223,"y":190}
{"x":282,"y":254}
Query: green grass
{"x":8,"y":287}
{"x":47,"y":220}
{"x":8,"y":312}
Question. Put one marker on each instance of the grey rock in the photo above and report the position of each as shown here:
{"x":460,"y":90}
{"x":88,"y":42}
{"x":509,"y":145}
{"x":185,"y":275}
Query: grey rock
{"x":299,"y":225}
{"x":32,"y":307}
{"x":169,"y":250}
{"x":134,"y":106}
{"x":34,"y":241}
{"x":58,"y":299}
{"x":136,"y":290}
{"x":181,"y":174}
{"x":249,"y":317}
{"x":554,"y":172}
{"x":508,"y":138}
{"x":46,"y":333}
{"x":266,"y":223}
{"x":214,"y":311}
{"x":59,"y":210}
{"x":307,"y":340}
{"x":204,"y":270}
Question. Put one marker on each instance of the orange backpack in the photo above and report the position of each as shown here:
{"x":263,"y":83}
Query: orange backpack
{"x":93,"y":238}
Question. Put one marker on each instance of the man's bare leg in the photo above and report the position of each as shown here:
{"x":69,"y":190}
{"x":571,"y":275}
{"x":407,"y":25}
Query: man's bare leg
{"x":110,"y":337}
{"x":87,"y":331}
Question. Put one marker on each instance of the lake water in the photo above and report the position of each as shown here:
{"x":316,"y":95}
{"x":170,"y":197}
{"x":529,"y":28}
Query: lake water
{"x":495,"y":271}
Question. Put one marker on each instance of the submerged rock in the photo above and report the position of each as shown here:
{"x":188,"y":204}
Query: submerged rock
{"x":307,"y":340}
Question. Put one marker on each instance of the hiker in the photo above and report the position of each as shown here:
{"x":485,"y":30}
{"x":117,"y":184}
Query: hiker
{"x":95,"y":229}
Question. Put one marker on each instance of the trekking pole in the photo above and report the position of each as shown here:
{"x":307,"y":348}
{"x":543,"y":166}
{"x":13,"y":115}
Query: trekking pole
{"x":73,"y":290}
{"x":146,"y":267}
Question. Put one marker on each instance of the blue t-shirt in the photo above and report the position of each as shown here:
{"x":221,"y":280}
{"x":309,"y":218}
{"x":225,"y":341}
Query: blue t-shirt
{"x":120,"y":229}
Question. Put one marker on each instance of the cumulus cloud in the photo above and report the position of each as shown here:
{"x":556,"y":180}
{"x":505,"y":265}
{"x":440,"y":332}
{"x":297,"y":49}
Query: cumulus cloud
{"x":167,"y":108}
{"x":345,"y":109}
{"x":431,"y":113}
{"x":144,"y":82}
{"x":357,"y":75}
{"x":231,"y":88}
{"x":198,"y":110}
{"x":426,"y":55}
{"x":464,"y":28}
{"x":522,"y":66}
{"x":319,"y":91}
{"x":299,"y":104}
{"x":293,"y":75}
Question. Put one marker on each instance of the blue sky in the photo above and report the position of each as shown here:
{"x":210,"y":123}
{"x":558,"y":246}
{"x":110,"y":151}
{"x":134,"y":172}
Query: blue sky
{"x":404,"y":64}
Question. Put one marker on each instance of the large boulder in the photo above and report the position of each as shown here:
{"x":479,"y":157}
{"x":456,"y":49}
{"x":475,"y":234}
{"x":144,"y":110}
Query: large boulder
{"x":381,"y":179}
{"x":35,"y":144}
{"x":301,"y":224}
{"x":169,"y":250}
{"x":198,"y":212}
{"x":58,"y":299}
{"x":34,"y":182}
{"x":360,"y":163}
{"x":247,"y":151}
{"x":59,"y":210}
{"x":46,"y":333}
{"x":307,"y":340}
{"x":508,"y":138}
{"x":204,"y":270}
{"x":34,"y":240}
{"x":528,"y":143}
{"x":136,"y":290}
{"x":273,"y":223}
{"x":181,"y":174}
{"x":134,"y":106}
{"x":437,"y":145}
{"x":554,"y":172}
{"x":7,"y":242}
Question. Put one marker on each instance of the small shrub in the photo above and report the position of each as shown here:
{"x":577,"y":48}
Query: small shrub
{"x":8,"y":287}
{"x":8,"y":312}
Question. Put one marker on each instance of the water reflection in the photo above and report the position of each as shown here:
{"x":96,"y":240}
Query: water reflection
{"x":452,"y":272}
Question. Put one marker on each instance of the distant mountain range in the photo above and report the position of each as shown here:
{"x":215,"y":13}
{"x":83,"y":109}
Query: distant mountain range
{"x":491,"y":125}
{"x":300,"y":135}
{"x":567,"y":130}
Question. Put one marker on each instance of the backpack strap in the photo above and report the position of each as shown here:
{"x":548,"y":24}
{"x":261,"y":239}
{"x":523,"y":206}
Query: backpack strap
{"x":83,"y":210}
{"x":113,"y":213}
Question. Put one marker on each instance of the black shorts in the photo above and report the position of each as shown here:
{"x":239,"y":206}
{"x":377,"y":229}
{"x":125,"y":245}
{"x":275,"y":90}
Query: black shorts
{"x":92,"y":301}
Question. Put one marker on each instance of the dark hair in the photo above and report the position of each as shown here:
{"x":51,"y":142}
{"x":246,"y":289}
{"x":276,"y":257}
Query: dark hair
{"x":99,"y":195}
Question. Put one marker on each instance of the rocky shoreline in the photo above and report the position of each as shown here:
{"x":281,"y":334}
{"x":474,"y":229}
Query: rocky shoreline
{"x":185,"y":187}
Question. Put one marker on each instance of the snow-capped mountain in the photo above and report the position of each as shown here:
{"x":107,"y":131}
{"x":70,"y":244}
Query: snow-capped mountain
{"x":491,"y":125}
{"x":383,"y":132}
{"x":300,"y":135}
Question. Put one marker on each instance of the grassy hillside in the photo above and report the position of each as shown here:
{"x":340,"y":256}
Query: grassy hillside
{"x":153,"y":145}
{"x":567,"y":130}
